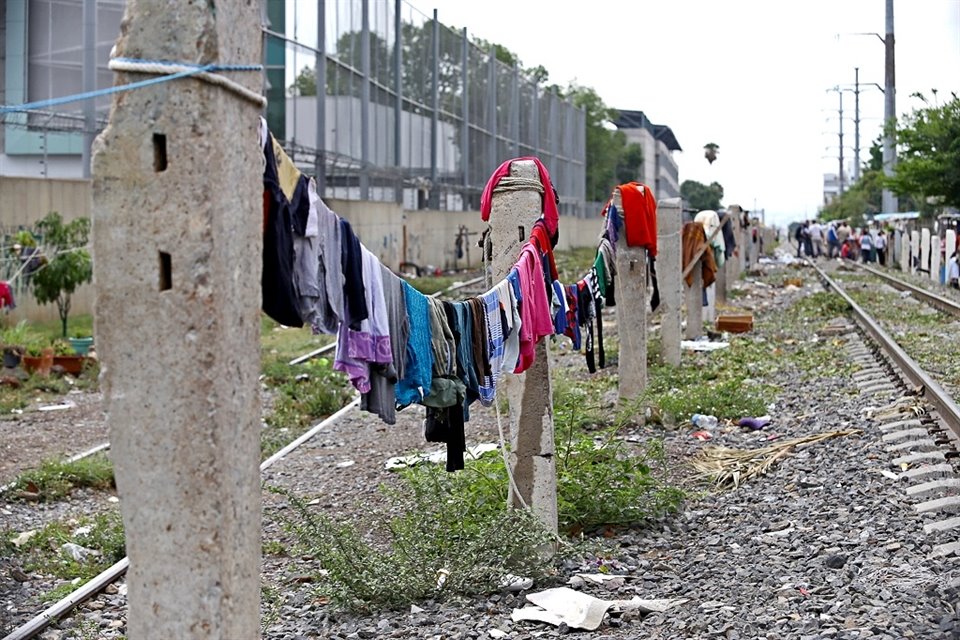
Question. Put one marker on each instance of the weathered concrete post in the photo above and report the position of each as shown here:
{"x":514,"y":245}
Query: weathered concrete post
{"x":694,"y":304}
{"x":669,"y":258}
{"x":753,"y":244}
{"x":915,"y":251}
{"x":720,"y":286}
{"x":935,"y":247}
{"x":177,"y":260}
{"x":529,"y":394}
{"x":631,"y":314}
{"x":949,"y":248}
{"x":925,"y":249}
{"x":904,"y":251}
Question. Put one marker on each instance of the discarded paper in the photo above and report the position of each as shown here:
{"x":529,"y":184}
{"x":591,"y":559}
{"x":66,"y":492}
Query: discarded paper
{"x":581,"y":611}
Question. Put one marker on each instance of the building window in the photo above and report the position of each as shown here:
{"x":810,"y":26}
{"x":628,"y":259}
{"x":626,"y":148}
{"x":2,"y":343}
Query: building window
{"x":55,"y":51}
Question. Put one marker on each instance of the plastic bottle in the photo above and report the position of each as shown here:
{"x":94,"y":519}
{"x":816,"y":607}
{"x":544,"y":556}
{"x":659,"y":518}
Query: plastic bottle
{"x":703,"y":422}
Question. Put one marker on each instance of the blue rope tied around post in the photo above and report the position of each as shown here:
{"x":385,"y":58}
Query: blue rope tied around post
{"x":168,"y":70}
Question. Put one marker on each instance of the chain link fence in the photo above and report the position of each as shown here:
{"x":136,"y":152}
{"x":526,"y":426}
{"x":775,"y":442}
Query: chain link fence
{"x":415,"y":112}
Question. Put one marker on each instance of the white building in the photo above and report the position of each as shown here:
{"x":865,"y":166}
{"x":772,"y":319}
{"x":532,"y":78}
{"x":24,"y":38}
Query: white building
{"x":659,"y":169}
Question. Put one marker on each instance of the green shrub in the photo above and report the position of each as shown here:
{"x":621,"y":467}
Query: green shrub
{"x":55,"y":479}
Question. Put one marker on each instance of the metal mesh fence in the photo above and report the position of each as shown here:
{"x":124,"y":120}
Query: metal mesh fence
{"x":416,"y":113}
{"x":412,"y":110}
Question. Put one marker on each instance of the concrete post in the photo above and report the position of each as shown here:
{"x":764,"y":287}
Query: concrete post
{"x":177,"y":260}
{"x":904,"y":252}
{"x":710,"y":309}
{"x":935,"y":257}
{"x":631,"y":314}
{"x":914,"y":250}
{"x":753,"y":246}
{"x":694,"y":304}
{"x":925,"y":249}
{"x":669,"y":268}
{"x":949,"y":246}
{"x":720,"y":286}
{"x":529,"y":394}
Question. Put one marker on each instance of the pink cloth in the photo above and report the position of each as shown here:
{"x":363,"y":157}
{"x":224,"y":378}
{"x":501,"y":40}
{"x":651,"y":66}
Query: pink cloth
{"x":535,"y":319}
{"x":550,"y":213}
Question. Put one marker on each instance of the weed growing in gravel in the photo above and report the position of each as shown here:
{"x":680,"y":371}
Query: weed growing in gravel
{"x":436,"y":547}
{"x":55,"y":479}
{"x":304,"y":394}
{"x":44,"y":552}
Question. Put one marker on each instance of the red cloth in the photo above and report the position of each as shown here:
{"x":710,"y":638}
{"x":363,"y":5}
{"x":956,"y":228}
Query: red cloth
{"x":550,"y":213}
{"x":540,"y":237}
{"x":639,"y":216}
{"x":6,"y":296}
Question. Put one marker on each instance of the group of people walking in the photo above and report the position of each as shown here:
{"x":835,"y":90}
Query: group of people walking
{"x":839,"y":240}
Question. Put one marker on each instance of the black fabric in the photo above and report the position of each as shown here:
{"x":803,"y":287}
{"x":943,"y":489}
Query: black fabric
{"x":601,"y":357}
{"x":584,"y":317}
{"x":351,"y":261}
{"x":610,"y":294}
{"x":655,"y":298}
{"x":276,"y":283}
{"x":300,"y":206}
{"x":729,"y":240}
{"x":446,"y":425}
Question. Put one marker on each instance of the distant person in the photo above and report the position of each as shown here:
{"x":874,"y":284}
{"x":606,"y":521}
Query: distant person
{"x":798,"y":236}
{"x":881,"y":245}
{"x":843,"y":232}
{"x":866,"y":246}
{"x":807,"y":240}
{"x":833,"y":241}
{"x":816,"y":238}
{"x":953,"y":272}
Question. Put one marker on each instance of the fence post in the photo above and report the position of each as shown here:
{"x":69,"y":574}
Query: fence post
{"x":398,"y":99}
{"x":914,"y":250}
{"x":669,"y":259}
{"x":925,"y":250}
{"x":694,"y":304}
{"x":320,"y":80}
{"x":365,"y":100}
{"x":529,"y":394}
{"x":435,"y":112}
{"x":178,"y":306}
{"x":631,"y":291}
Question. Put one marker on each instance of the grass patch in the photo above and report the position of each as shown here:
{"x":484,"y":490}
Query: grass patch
{"x":44,"y":552}
{"x":56,"y":479}
{"x":572,"y":264}
{"x":428,"y":285}
{"x":304,"y":394}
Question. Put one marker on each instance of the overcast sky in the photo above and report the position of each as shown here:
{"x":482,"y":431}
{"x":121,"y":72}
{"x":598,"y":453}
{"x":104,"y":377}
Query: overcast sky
{"x":750,"y":75}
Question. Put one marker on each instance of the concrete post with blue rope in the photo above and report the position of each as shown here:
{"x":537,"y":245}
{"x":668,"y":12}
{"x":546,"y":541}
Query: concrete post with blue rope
{"x":177,"y":247}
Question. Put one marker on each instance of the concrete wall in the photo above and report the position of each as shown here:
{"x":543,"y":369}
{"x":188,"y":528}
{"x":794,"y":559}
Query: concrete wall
{"x":23,"y":202}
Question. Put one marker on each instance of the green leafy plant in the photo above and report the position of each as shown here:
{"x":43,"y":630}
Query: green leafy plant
{"x":55,"y":479}
{"x":68,"y":263}
{"x":303,"y":394}
{"x":435,"y":548}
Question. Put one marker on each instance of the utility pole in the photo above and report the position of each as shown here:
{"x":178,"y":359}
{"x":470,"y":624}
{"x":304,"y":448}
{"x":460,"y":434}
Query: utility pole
{"x":890,"y":202}
{"x":840,"y":93}
{"x":856,"y":124}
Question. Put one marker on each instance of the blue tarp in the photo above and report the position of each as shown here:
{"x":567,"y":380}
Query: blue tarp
{"x":888,"y":217}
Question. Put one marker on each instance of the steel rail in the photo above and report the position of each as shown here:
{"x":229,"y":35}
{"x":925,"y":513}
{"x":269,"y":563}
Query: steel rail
{"x":943,"y":304}
{"x":933,"y":393}
{"x":96,"y":584}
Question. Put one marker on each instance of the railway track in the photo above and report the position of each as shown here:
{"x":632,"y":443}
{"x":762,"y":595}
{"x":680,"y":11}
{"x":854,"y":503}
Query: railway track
{"x":95,"y":585}
{"x":922,"y":426}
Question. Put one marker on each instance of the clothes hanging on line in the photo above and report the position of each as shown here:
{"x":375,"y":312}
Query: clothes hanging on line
{"x":693,"y":238}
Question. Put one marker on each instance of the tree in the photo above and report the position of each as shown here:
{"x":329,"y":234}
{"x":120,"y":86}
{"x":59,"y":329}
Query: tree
{"x":68,"y":263}
{"x":710,"y":151}
{"x":604,"y":147}
{"x":631,"y":160}
{"x":928,"y":149}
{"x":305,"y":83}
{"x":701,"y":196}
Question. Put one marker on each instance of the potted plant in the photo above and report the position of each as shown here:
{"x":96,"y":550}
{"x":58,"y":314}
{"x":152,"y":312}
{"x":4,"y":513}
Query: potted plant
{"x":13,"y":340}
{"x":38,"y":357}
{"x":65,"y":357}
{"x":68,"y":263}
{"x":81,"y":341}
